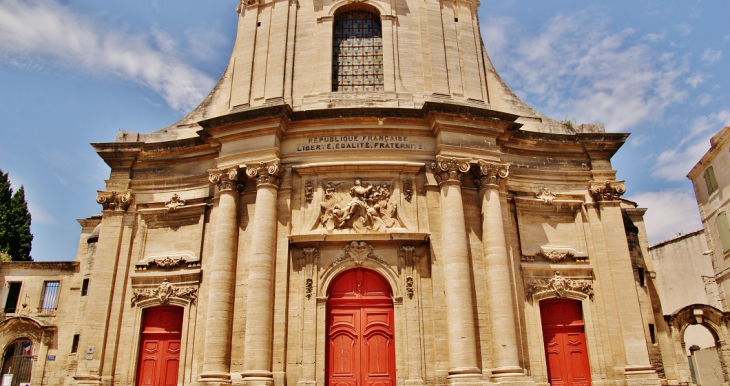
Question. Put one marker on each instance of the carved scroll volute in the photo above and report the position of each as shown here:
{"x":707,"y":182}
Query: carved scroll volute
{"x":266,"y":173}
{"x":308,"y":261}
{"x":226,"y":179}
{"x":491,"y":174}
{"x":450,"y":170}
{"x":116,"y":201}
{"x":607,"y":191}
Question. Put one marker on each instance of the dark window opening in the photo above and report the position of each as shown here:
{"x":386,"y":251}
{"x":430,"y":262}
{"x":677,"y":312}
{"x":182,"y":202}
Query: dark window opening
{"x":11,"y":303}
{"x":652,"y":333}
{"x":75,"y":344}
{"x":456,"y":20}
{"x":642,"y":279}
{"x":85,"y":287}
{"x":258,"y":24}
{"x":357,"y":52}
{"x":49,"y":296}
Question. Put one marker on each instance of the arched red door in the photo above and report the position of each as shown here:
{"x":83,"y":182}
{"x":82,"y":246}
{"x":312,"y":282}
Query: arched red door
{"x":565,"y":343}
{"x":360,"y":335}
{"x":159,"y":348}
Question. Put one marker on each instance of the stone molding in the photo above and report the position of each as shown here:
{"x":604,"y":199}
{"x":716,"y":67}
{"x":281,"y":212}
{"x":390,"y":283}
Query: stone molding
{"x":116,"y":201}
{"x":450,"y":170}
{"x":164,"y":292}
{"x":491,"y":174}
{"x":558,"y":284}
{"x":266,"y":173}
{"x":357,"y":252}
{"x":226,"y":179}
{"x":607,"y":190}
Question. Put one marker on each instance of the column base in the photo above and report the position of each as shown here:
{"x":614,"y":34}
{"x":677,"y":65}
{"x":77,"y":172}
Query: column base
{"x":215,"y":378}
{"x":307,"y":383}
{"x":86,"y":380}
{"x":258,"y":378}
{"x":641,"y":376}
{"x":465,"y":377}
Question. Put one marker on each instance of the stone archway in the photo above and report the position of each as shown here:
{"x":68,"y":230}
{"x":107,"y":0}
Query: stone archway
{"x":712,"y":319}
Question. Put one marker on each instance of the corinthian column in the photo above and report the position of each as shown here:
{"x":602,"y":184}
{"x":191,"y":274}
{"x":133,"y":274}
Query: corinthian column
{"x":458,"y":287}
{"x":216,"y":360}
{"x":505,"y":357}
{"x":260,"y":306}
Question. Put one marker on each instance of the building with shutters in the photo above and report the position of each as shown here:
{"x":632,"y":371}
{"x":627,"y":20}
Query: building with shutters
{"x":360,"y":200}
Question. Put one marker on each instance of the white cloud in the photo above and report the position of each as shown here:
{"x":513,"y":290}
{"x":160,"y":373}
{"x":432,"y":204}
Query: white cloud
{"x":33,"y":31}
{"x":711,"y":56}
{"x":495,"y":33}
{"x":575,"y":65}
{"x":653,"y":37}
{"x":670,"y":212}
{"x":674,"y":164}
{"x":683,"y":29}
{"x":695,"y":80}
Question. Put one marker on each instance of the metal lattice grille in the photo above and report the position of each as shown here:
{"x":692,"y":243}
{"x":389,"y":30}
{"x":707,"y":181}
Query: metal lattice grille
{"x":18,"y":361}
{"x":357,"y":52}
{"x":50,"y":294}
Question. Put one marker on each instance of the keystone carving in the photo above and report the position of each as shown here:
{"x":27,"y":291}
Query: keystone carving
{"x":558,"y":284}
{"x":164,"y":292}
{"x":491,"y":173}
{"x":450,"y":169}
{"x":545,"y":195}
{"x":229,"y":179}
{"x":117,"y":201}
{"x":368,"y":207}
{"x":266,"y":173}
{"x":358,"y":252}
{"x":175,"y":202}
{"x":607,"y":191}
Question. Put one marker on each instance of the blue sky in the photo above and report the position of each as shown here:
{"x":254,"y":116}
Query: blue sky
{"x":79,"y":71}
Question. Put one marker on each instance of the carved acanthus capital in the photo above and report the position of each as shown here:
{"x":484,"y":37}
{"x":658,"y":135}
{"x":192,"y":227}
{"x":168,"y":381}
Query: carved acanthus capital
{"x":491,"y":174}
{"x":450,"y":170}
{"x":164,"y":292}
{"x":559,"y":285}
{"x":607,"y":191}
{"x":266,"y":173}
{"x":309,"y":255}
{"x":117,"y":201}
{"x":226,"y":179}
{"x":408,"y":253}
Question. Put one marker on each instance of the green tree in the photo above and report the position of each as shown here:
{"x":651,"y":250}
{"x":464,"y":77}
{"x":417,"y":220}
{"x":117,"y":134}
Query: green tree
{"x":21,"y":238}
{"x":15,"y":236}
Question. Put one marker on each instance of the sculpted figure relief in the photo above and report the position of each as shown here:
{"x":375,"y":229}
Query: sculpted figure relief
{"x":364,"y":207}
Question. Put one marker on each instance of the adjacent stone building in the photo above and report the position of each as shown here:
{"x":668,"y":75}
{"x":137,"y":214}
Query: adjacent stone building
{"x":359,"y":201}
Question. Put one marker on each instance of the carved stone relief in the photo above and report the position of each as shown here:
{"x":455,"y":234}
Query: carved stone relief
{"x":556,"y":256}
{"x":308,"y":262}
{"x":164,"y":292}
{"x":558,"y":284}
{"x":545,"y":195}
{"x":309,"y":191}
{"x":358,"y":252}
{"x":364,"y":207}
{"x":408,"y":189}
{"x":117,"y":201}
{"x":607,"y":191}
{"x":175,"y":202}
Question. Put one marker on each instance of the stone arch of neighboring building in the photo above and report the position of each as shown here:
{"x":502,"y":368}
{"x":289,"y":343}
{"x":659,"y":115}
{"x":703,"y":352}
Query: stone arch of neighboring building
{"x":709,"y":317}
{"x":39,"y":334}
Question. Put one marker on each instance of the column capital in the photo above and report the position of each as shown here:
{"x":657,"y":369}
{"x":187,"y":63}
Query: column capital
{"x":607,"y":190}
{"x":491,"y":173}
{"x":116,"y":201}
{"x":226,"y":179}
{"x":450,"y":170}
{"x":266,"y":173}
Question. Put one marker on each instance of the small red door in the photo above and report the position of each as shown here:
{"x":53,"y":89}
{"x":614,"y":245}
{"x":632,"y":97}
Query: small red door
{"x":360,"y":344}
{"x":159,"y":349}
{"x":565,"y":343}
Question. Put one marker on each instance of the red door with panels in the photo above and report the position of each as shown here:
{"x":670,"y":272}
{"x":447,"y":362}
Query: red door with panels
{"x":159,"y":348}
{"x":360,"y":335}
{"x":565,"y":343}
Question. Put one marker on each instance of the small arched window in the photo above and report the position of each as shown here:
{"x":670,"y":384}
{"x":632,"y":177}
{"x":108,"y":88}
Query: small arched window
{"x":357,"y":50}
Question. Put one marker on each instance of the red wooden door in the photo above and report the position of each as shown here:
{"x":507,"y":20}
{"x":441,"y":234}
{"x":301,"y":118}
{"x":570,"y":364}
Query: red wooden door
{"x":360,"y":335}
{"x":159,"y":349}
{"x":565,"y":343}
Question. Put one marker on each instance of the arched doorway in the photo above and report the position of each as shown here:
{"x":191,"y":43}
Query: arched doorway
{"x":565,"y":343}
{"x":360,"y":346}
{"x":159,"y":346}
{"x":17,"y":363}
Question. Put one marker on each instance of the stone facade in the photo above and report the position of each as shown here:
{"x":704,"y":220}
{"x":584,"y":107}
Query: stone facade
{"x":472,"y":207}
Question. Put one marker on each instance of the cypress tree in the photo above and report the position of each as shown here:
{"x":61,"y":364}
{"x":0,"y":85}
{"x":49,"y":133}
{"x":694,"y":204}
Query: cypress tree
{"x":21,"y":238}
{"x":6,"y":228}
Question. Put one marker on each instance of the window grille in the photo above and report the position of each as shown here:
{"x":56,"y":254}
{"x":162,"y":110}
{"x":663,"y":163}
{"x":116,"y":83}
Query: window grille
{"x":357,"y":52}
{"x":49,"y":296}
{"x":11,"y":303}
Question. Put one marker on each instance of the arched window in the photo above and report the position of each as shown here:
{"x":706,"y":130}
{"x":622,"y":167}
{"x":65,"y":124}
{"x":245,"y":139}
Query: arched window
{"x":357,"y":50}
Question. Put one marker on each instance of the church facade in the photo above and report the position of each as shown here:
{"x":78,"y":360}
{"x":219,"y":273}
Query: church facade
{"x":359,"y":201}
